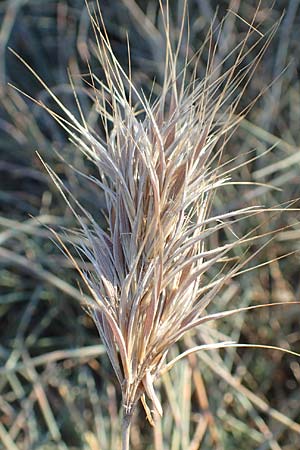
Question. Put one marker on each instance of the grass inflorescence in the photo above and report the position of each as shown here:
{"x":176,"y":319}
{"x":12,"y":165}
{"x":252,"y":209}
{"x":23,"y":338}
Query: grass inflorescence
{"x":160,"y":162}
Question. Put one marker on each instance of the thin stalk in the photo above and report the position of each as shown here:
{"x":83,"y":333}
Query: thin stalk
{"x":126,"y":424}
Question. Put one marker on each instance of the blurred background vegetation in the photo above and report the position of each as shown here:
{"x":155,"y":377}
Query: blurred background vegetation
{"x":57,"y":388}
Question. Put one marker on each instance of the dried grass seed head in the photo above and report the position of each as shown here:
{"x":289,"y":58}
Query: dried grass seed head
{"x":159,"y":170}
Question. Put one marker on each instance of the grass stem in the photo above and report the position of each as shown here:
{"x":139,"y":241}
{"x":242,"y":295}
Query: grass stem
{"x":126,"y":424}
